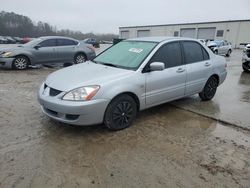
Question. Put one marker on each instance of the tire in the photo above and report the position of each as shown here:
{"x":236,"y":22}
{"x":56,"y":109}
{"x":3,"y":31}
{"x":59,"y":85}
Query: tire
{"x":209,"y":90}
{"x":228,"y":53}
{"x":245,"y":69}
{"x":80,"y":58}
{"x":120,"y":113}
{"x":20,"y":63}
{"x":216,"y":52}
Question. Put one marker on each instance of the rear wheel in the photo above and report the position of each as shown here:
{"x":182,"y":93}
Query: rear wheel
{"x":80,"y":58}
{"x":229,"y":53}
{"x":216,"y":52}
{"x":20,"y":63}
{"x":209,"y":90}
{"x":120,"y":112}
{"x":246,"y":68}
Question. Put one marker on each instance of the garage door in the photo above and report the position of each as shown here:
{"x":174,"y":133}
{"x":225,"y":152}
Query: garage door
{"x":206,"y":33}
{"x":124,"y":34}
{"x":189,"y":32}
{"x":143,"y":33}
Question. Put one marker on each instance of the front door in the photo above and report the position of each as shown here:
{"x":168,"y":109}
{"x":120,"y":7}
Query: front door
{"x":198,"y":66}
{"x":168,"y":84}
{"x":46,"y":53}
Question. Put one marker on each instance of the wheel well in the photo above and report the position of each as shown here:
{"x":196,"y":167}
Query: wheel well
{"x":21,"y":55}
{"x":217,"y":78}
{"x":134,"y":96}
{"x":81,"y":53}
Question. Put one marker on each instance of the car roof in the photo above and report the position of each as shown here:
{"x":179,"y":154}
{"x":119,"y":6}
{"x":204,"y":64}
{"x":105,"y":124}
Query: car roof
{"x":159,"y":39}
{"x":57,"y":37}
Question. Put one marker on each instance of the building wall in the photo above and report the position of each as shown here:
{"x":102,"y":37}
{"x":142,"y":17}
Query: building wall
{"x":235,"y":32}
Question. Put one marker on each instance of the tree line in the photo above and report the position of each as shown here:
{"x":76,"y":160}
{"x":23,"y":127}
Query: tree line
{"x":12,"y":24}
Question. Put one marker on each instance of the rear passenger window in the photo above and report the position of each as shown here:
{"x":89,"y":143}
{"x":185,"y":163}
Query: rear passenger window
{"x":205,"y":54}
{"x":170,"y":54}
{"x":66,"y":42}
{"x":193,"y":52}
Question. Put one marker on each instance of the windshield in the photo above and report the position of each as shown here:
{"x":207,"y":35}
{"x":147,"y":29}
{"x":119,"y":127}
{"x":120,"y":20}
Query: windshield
{"x":32,"y":43}
{"x":126,"y":54}
{"x":217,"y":42}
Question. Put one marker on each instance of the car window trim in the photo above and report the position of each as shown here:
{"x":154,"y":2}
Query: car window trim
{"x":201,"y":51}
{"x":146,"y":67}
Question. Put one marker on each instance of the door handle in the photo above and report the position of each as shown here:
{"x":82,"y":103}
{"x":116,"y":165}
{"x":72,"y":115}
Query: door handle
{"x":207,"y":64}
{"x":179,"y":70}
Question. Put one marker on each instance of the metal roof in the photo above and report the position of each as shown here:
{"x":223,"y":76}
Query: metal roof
{"x":192,"y":23}
{"x":158,"y":39}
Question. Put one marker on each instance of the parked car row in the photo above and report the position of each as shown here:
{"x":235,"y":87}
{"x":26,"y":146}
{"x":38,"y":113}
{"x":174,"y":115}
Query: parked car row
{"x":13,"y":40}
{"x":46,"y":50}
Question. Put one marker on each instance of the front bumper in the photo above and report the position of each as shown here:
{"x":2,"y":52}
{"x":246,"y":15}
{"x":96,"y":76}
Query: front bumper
{"x":72,"y":112}
{"x":6,"y":62}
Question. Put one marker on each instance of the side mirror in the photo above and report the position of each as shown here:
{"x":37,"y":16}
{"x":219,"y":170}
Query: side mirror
{"x":157,"y":66}
{"x":37,"y":46}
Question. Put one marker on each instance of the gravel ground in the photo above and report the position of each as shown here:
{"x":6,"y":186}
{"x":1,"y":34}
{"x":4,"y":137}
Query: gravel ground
{"x":165,"y":147}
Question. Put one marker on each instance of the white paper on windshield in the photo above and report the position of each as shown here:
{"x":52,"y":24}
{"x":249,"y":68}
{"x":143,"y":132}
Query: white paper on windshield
{"x":135,"y":50}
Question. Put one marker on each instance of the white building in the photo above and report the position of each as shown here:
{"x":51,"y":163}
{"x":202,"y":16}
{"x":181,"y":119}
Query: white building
{"x":234,"y":31}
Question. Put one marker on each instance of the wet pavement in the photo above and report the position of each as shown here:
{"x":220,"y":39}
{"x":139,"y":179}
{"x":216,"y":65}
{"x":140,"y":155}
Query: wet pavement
{"x":231,"y":103}
{"x":167,"y":146}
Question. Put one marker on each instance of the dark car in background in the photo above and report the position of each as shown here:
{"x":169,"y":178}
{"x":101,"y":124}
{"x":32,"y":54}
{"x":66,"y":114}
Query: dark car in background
{"x":92,"y":41}
{"x":246,"y":59}
{"x":46,"y":50}
{"x":3,"y":40}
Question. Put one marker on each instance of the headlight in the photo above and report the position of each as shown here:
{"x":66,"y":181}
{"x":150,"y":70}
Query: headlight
{"x":81,"y":94}
{"x":7,"y":54}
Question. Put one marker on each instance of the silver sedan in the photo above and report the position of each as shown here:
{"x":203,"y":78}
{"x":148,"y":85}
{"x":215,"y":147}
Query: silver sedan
{"x":131,"y":76}
{"x":46,"y":50}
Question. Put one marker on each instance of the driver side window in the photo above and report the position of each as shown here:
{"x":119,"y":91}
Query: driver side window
{"x":48,"y":43}
{"x":169,"y":54}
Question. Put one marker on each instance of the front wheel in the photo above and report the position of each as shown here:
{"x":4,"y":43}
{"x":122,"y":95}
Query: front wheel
{"x":246,"y":68}
{"x":209,"y":90}
{"x":20,"y":63}
{"x":80,"y":58}
{"x":120,"y":112}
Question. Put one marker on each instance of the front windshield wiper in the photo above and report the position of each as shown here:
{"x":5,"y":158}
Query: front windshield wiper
{"x":109,"y":64}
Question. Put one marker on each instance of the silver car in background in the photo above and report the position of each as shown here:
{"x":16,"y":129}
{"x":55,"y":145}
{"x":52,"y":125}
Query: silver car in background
{"x":220,"y":47}
{"x":132,"y":75}
{"x":46,"y":50}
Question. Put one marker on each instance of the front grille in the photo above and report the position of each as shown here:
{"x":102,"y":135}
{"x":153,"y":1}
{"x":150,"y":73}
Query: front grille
{"x":54,"y":92}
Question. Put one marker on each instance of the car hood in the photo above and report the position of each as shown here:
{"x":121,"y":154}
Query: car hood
{"x":13,"y":50}
{"x":211,"y":44}
{"x":85,"y":74}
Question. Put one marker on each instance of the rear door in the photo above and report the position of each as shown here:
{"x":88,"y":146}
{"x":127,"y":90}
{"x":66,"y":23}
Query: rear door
{"x":66,"y":50}
{"x":46,"y":53}
{"x":168,"y":84}
{"x":198,"y":66}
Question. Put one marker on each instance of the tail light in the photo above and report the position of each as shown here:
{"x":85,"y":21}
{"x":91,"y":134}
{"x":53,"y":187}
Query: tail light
{"x":225,"y":65}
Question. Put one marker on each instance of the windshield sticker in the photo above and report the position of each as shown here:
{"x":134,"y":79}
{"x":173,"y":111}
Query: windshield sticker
{"x":135,"y":50}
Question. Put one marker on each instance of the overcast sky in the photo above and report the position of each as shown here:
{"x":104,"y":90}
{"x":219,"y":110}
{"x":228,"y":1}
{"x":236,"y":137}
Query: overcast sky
{"x":106,"y":16}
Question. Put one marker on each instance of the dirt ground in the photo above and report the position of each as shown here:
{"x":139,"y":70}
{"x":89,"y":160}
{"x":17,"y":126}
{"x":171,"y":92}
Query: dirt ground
{"x":167,"y":146}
